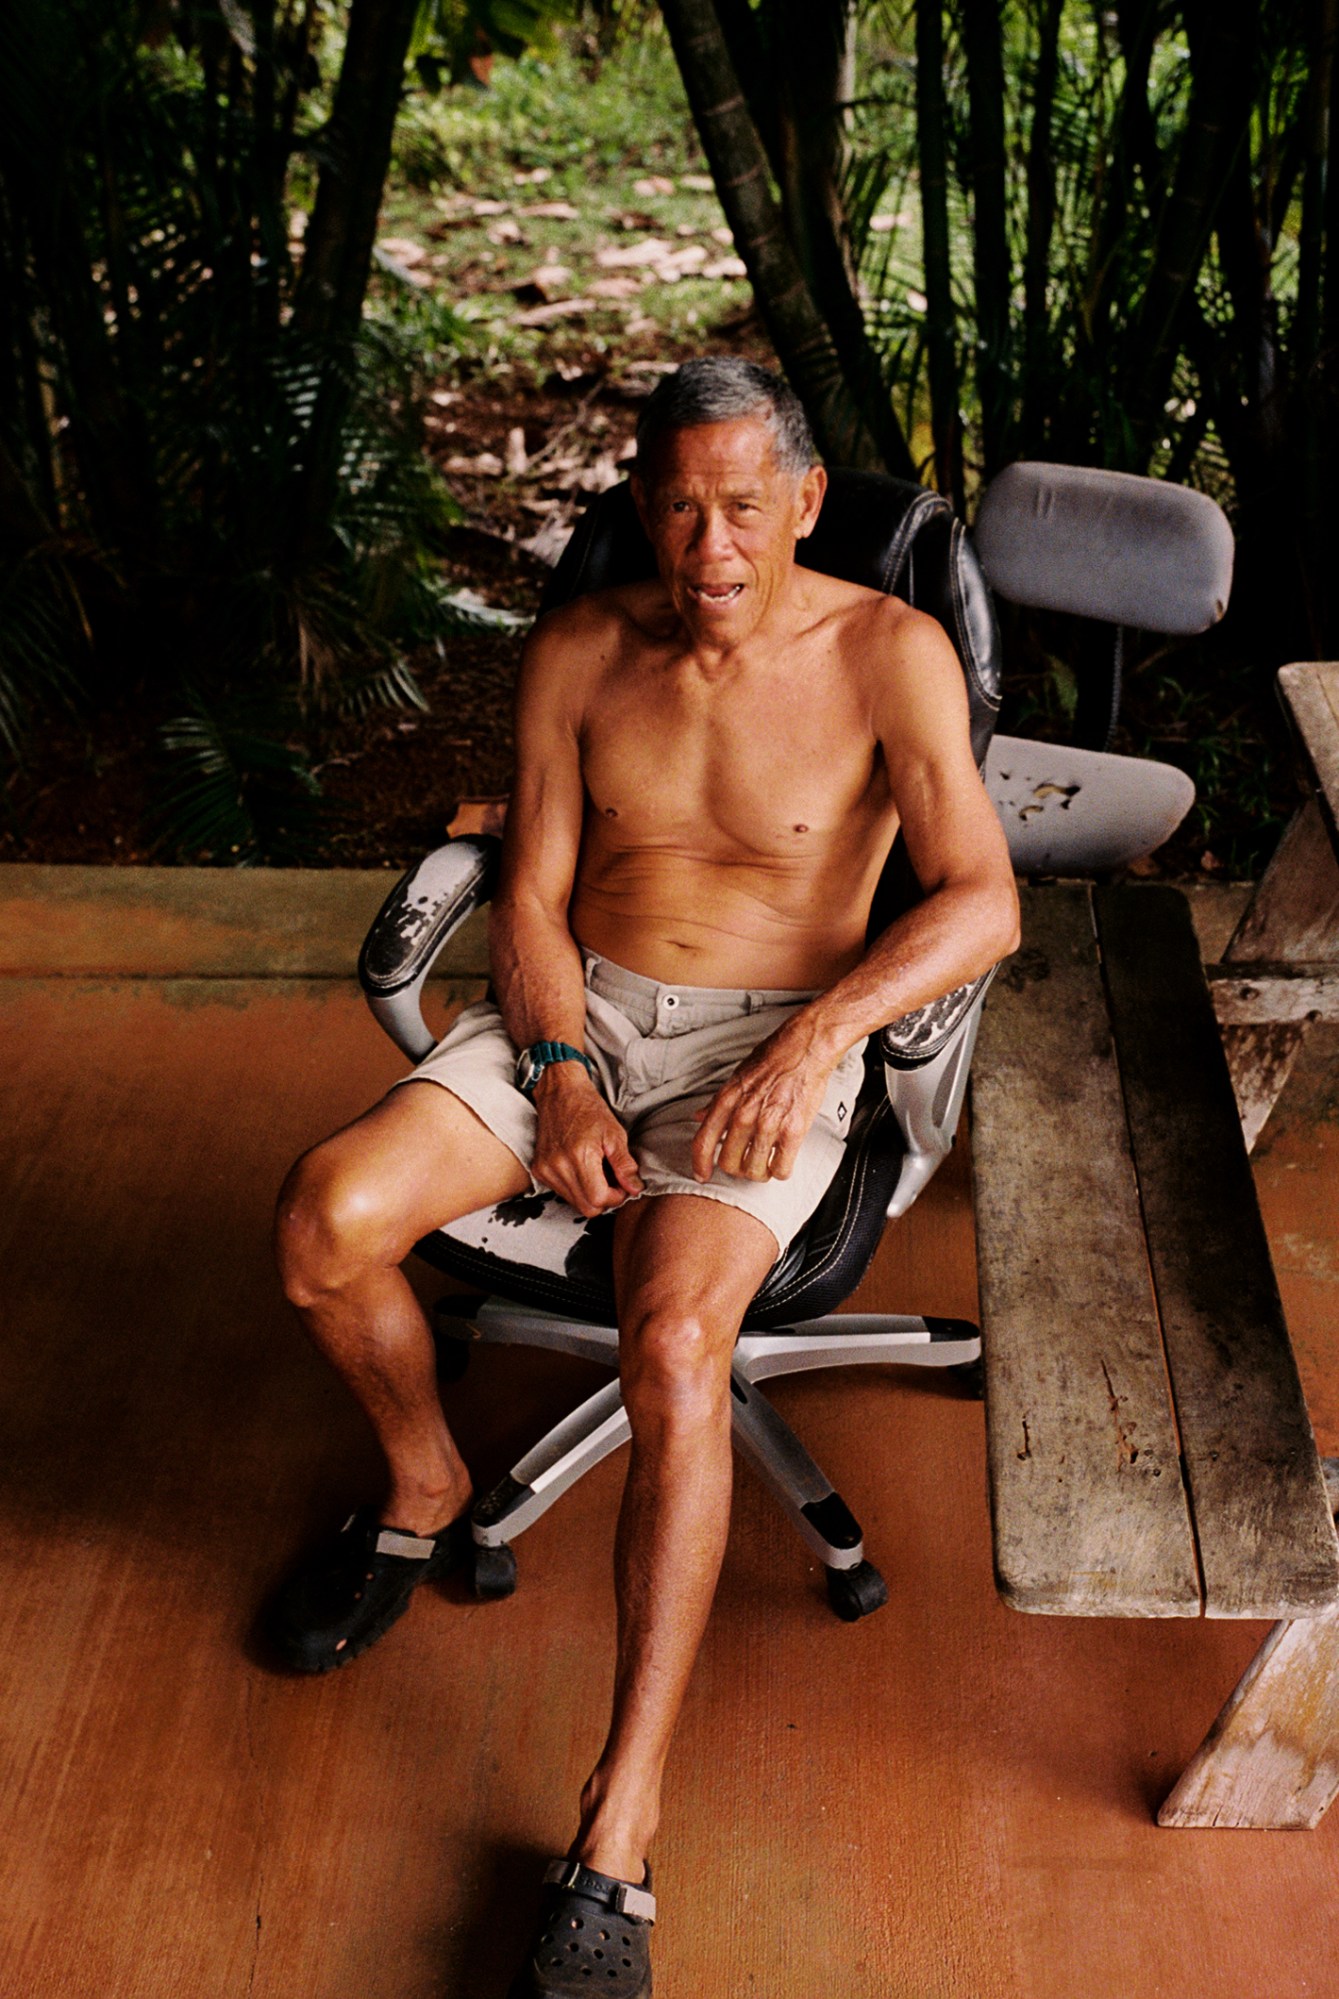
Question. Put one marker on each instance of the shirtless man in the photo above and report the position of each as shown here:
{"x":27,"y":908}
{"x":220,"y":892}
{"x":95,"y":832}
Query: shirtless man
{"x":710,"y":772}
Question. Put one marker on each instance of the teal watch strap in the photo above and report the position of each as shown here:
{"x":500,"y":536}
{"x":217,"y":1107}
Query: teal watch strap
{"x":542,"y":1055}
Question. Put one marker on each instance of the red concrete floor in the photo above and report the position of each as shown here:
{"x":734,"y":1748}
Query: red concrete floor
{"x":950,"y":1801}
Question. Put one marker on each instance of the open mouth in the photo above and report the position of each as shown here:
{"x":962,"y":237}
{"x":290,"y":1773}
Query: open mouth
{"x":715,"y":594}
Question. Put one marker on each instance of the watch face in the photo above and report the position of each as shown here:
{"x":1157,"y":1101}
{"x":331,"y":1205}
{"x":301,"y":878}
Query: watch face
{"x":527,"y":1071}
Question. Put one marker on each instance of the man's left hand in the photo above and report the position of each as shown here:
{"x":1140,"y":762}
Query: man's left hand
{"x":760,"y":1118}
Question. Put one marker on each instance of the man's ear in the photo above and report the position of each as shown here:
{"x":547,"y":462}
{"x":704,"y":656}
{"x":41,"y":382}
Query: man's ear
{"x":809,"y":501}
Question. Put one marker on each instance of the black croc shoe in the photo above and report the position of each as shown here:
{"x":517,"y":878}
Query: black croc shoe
{"x":345,"y":1594}
{"x":594,"y":1937}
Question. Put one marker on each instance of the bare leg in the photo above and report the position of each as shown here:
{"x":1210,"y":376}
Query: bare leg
{"x":686,"y":1270}
{"x":349,"y":1214}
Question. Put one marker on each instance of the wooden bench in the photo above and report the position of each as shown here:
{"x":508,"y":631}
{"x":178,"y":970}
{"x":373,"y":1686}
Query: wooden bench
{"x":1280,"y":971}
{"x":1150,"y":1451}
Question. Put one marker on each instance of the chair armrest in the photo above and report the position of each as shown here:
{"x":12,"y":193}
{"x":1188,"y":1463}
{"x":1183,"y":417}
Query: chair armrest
{"x":424,"y":909}
{"x":926,"y":1058}
{"x":919,"y":1037}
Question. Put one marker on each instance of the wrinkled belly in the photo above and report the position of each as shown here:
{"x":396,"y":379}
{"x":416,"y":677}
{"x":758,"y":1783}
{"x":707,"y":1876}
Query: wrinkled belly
{"x":703,"y":923}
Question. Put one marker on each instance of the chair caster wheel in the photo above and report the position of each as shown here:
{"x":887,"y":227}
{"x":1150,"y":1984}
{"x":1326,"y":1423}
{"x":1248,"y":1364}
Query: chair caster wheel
{"x":494,"y":1573}
{"x":854,"y":1593}
{"x":971,"y":1379}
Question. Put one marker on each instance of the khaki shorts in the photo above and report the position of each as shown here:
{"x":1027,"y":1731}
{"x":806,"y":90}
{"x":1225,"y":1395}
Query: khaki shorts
{"x":661,"y":1053}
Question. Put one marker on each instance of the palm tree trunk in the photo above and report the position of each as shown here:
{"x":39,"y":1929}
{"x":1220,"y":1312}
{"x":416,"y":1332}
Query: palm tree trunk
{"x":355,"y":153}
{"x":1223,"y":52}
{"x":851,"y":426}
{"x":337,"y":252}
{"x":984,"y":50}
{"x":1040,"y":221}
{"x":941,"y":334}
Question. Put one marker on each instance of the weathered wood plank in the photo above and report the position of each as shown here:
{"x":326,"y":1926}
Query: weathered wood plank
{"x":1260,"y":1060}
{"x":1266,"y":1539}
{"x":1089,"y":1513}
{"x":1271,"y":1760}
{"x":1266,"y":994}
{"x":1310,"y":691}
{"x":1294,"y":913}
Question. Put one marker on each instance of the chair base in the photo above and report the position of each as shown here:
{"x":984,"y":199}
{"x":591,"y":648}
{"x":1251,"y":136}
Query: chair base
{"x":600,"y":1424}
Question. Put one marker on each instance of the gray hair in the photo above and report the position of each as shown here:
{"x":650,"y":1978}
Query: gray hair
{"x":719,"y":388}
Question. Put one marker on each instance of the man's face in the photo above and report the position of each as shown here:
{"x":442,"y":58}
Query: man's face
{"x":723,"y":518}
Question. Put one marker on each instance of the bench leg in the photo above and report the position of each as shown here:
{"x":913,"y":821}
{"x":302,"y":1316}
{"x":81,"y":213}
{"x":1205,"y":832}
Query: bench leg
{"x":1271,"y":1760}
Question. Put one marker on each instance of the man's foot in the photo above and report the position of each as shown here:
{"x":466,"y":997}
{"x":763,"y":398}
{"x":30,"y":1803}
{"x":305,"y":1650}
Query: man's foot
{"x":594,"y":1937}
{"x":344,"y":1594}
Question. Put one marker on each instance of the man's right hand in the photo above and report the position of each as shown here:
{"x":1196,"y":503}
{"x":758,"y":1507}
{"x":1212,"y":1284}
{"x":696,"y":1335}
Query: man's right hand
{"x":577,"y":1133}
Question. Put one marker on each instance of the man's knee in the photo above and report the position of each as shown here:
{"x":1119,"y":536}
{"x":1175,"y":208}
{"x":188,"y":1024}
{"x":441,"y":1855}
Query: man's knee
{"x":675,"y":1368}
{"x":330,"y":1226}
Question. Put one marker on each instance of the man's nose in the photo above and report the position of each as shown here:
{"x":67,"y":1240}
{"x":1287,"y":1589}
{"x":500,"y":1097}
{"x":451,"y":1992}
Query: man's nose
{"x":713,"y":533}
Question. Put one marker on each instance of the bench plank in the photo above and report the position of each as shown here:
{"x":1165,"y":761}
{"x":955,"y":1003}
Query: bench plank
{"x":1089,"y":1510}
{"x":1266,"y":1539}
{"x":1310,"y":690}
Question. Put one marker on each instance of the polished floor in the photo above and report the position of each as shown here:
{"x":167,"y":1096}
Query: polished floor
{"x":949,"y":1801}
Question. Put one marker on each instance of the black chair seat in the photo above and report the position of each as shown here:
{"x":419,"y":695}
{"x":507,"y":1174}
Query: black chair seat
{"x":537,"y":1251}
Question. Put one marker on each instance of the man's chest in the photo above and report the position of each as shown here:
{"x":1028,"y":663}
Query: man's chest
{"x":668,"y":761}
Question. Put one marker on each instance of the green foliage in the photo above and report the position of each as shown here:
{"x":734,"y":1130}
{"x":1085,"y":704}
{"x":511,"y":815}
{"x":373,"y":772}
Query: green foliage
{"x":159,"y":406}
{"x":230,"y":793}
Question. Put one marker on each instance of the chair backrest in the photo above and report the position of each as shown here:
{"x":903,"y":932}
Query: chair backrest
{"x":886,"y":533}
{"x":1108,"y":545}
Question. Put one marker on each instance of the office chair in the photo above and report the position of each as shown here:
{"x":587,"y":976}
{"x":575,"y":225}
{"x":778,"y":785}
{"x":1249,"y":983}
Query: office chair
{"x":541,"y":1273}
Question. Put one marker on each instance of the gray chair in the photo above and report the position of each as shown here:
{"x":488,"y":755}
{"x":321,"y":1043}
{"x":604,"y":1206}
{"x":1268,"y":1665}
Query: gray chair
{"x":541,"y":1273}
{"x":1119,"y":553}
{"x":1126,"y":550}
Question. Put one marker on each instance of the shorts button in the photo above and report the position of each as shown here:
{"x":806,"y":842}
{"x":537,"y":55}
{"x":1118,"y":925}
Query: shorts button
{"x":671,"y":999}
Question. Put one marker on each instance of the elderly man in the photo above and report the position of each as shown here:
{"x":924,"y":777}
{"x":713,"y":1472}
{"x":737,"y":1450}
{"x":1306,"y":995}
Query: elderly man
{"x":710,"y":770}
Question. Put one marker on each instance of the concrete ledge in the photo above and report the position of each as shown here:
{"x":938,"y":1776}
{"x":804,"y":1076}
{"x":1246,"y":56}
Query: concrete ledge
{"x":163,"y":923}
{"x":160,"y":923}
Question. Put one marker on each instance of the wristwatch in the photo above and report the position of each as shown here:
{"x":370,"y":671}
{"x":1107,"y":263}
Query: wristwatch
{"x":542,"y":1055}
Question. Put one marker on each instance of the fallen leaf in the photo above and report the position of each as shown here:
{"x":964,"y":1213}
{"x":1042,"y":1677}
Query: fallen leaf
{"x":545,"y":284}
{"x":489,"y":207}
{"x":552,"y":211}
{"x":725,"y":236}
{"x":881,"y":224}
{"x":549,"y":540}
{"x":653,"y":184}
{"x":726,"y":267}
{"x":403,"y":249}
{"x":444,"y":397}
{"x":563,"y":308}
{"x":486,"y":465}
{"x":651,"y":250}
{"x":535,"y":178}
{"x":516,"y":458}
{"x":615,"y":288}
{"x":420,"y":279}
{"x":297,"y":225}
{"x":506,"y":231}
{"x":697,"y":183}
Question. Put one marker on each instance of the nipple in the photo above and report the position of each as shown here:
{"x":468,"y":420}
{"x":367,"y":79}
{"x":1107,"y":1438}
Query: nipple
{"x":801,"y":829}
{"x":611,"y":812}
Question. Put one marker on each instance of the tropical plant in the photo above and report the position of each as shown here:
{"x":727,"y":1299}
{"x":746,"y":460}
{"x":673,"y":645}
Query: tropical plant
{"x":1000,"y":228}
{"x":212,"y":486}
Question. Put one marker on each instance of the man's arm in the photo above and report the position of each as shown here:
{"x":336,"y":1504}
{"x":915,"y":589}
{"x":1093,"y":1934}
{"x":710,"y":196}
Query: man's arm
{"x":536,"y":963}
{"x":966,"y":923}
